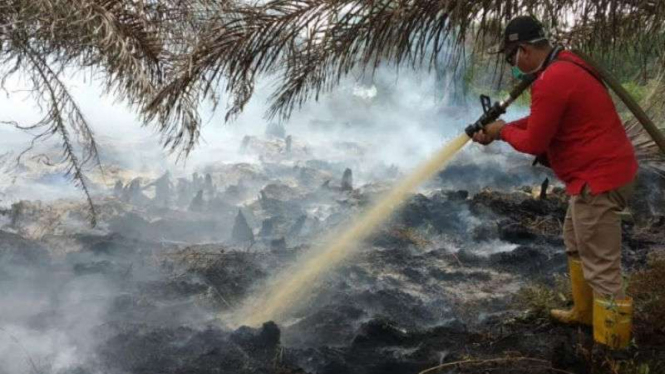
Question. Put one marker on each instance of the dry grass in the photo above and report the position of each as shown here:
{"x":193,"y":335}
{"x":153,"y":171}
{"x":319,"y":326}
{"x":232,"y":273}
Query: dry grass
{"x":646,"y":286}
{"x":194,"y":258}
{"x":547,"y":225}
{"x":411,"y":235}
{"x":532,"y":365}
{"x":648,"y":290}
{"x":632,"y":367}
{"x":538,"y":299}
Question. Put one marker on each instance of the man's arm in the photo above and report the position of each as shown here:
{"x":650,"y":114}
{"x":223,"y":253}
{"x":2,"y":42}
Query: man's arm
{"x":548,"y":104}
{"x":520,"y":123}
{"x":491,"y":131}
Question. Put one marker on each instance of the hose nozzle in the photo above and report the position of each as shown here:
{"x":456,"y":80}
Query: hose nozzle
{"x":493,"y":112}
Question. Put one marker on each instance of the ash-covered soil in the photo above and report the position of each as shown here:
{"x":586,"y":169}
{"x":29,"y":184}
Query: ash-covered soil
{"x":149,"y":290}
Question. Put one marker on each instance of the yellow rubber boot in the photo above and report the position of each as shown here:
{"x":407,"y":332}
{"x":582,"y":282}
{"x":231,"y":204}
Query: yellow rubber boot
{"x":582,"y":311}
{"x":613,"y":322}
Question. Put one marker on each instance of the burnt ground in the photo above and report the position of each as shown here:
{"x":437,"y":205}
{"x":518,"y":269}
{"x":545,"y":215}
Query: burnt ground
{"x":439,"y":285}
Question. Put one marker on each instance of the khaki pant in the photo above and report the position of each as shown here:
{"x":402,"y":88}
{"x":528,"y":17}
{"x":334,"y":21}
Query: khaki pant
{"x":592,"y":231}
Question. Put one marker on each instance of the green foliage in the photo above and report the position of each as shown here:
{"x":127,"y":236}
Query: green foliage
{"x":608,"y":363}
{"x":637,"y":91}
{"x":631,"y":367}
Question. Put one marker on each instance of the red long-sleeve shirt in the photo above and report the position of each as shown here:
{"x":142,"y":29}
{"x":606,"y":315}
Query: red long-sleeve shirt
{"x":573,"y":120}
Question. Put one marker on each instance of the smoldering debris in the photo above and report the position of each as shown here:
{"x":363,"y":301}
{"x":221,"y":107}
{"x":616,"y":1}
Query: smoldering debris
{"x":242,"y":233}
{"x":289,"y":144}
{"x":152,"y":289}
{"x":347,"y":180}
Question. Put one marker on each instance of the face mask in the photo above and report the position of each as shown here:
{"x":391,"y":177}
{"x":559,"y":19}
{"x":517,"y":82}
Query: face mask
{"x":518,"y":73}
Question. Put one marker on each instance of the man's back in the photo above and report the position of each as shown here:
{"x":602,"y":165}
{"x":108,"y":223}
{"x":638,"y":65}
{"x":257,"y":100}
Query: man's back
{"x":573,"y":120}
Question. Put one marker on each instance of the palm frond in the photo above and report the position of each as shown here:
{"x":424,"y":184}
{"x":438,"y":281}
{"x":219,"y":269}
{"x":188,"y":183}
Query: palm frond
{"x":647,"y":151}
{"x":165,"y":58}
{"x":61,"y":114}
{"x":123,"y":42}
{"x":308,"y":45}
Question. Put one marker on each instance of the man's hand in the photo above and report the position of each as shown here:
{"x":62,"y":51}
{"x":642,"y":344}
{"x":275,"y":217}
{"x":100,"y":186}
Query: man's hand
{"x":491,"y":133}
{"x":482,"y":138}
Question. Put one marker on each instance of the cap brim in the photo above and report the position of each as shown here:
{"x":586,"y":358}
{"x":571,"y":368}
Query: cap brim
{"x":501,"y":48}
{"x":497,"y":49}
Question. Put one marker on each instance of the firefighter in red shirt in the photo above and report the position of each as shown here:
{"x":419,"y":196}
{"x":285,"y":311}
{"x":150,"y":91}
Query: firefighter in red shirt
{"x":574,"y":126}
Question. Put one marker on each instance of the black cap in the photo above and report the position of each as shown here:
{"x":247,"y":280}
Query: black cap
{"x":523,"y":29}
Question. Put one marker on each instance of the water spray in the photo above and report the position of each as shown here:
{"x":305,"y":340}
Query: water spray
{"x":290,"y":287}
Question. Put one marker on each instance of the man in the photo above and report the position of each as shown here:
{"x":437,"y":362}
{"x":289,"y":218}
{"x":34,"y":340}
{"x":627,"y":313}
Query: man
{"x":574,"y":127}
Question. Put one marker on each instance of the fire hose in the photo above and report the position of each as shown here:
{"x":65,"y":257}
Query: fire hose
{"x":492,"y":112}
{"x":628,"y":100}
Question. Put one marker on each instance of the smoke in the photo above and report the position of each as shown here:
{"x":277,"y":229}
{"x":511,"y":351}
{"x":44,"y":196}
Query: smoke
{"x":380,"y":127}
{"x":49,"y":314}
{"x":373,"y":124}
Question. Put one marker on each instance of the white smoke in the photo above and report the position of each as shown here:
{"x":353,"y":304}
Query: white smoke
{"x":397,"y":118}
{"x":389,"y":120}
